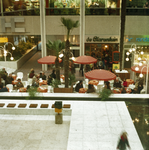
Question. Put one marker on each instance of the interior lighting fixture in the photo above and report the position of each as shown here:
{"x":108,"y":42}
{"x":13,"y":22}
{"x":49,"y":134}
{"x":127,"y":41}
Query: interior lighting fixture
{"x":147,"y":133}
{"x":127,"y":53}
{"x":13,"y":48}
{"x":142,"y":53}
{"x":140,"y":63}
{"x":133,"y":49}
{"x":130,"y":50}
{"x":137,"y":68}
{"x":127,"y":59}
{"x":141,"y":75}
{"x":106,"y":46}
{"x":61,"y":55}
{"x":11,"y":58}
{"x":72,"y":58}
{"x":137,"y":120}
{"x":139,"y":58}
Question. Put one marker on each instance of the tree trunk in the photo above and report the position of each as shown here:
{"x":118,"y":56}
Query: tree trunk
{"x":57,"y":68}
{"x":66,"y":62}
{"x":122,"y":30}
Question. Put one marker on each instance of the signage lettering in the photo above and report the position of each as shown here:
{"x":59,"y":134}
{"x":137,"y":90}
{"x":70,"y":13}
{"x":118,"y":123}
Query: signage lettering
{"x":12,"y":24}
{"x":98,"y":39}
{"x":139,"y":39}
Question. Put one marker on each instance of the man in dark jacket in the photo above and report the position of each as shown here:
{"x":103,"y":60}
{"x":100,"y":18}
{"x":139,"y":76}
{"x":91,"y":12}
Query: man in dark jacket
{"x":78,"y":86}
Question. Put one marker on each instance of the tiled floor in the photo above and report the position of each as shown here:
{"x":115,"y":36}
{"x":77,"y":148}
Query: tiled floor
{"x":93,"y":126}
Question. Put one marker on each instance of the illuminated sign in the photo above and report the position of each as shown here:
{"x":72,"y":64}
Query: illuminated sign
{"x":101,"y":39}
{"x":3,"y":39}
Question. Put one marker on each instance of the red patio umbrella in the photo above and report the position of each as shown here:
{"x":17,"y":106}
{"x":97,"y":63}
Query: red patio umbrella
{"x":85,"y":60}
{"x":100,"y":74}
{"x":141,"y":69}
{"x":48,"y":60}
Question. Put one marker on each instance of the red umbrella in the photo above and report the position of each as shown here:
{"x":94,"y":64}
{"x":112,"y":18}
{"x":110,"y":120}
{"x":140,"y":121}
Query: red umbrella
{"x":85,"y":60}
{"x":140,"y":69}
{"x":48,"y":60}
{"x":100,"y":74}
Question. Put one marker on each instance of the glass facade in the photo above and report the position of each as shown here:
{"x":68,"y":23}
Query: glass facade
{"x":72,"y":7}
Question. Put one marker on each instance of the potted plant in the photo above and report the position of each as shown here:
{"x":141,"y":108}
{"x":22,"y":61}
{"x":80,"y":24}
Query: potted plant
{"x":104,"y":94}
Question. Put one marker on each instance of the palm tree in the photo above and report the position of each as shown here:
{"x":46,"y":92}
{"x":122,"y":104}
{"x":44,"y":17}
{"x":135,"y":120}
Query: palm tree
{"x":57,"y":46}
{"x":122,"y":30}
{"x":69,"y":25}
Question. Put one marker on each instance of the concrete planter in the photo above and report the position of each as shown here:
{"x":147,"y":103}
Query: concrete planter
{"x":17,"y":64}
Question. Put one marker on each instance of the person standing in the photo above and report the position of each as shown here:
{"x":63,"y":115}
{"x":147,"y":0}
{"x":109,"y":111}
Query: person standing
{"x":123,"y":142}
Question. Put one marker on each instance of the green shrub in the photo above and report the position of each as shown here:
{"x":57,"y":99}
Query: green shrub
{"x":104,"y":94}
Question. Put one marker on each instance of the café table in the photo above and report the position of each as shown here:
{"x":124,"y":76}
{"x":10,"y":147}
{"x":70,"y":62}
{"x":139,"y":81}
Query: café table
{"x":129,"y":81}
{"x":14,"y":82}
{"x":62,"y":77}
{"x":116,"y":91}
{"x":93,"y":82}
{"x":82,"y":90}
{"x":42,"y":89}
{"x":42,"y":82}
{"x":23,"y":89}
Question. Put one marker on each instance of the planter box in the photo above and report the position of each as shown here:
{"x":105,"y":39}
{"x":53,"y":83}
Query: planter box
{"x":17,"y":64}
{"x":63,"y":90}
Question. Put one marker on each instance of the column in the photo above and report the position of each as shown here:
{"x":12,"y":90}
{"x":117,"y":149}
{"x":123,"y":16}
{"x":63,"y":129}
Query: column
{"x":43,"y":32}
{"x":82,"y":27}
{"x":2,"y":7}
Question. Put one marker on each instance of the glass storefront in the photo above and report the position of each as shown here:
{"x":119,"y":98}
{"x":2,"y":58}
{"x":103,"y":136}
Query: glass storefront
{"x":72,"y":7}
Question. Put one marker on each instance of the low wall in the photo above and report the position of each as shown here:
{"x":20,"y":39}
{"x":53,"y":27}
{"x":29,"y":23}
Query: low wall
{"x":17,"y":64}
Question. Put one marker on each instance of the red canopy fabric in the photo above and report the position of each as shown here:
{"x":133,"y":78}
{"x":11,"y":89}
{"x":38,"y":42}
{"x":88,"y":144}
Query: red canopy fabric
{"x":142,"y":69}
{"x":100,"y":74}
{"x":85,"y":60}
{"x":48,"y":60}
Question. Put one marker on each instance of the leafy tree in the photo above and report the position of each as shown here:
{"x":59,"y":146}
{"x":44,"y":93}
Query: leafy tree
{"x":69,"y":25}
{"x":57,"y":46}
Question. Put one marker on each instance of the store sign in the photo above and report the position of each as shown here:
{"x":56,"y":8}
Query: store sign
{"x":3,"y":40}
{"x":12,"y":24}
{"x":138,"y":38}
{"x":98,"y":39}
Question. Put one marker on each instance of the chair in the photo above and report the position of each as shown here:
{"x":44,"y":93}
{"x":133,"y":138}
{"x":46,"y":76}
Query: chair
{"x":29,"y":82}
{"x":20,"y":75}
{"x":24,"y":83}
{"x":10,"y":86}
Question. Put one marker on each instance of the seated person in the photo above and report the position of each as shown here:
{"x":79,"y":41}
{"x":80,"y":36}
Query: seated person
{"x":125,"y":83}
{"x":19,"y":84}
{"x":49,"y":81}
{"x":42,"y":75}
{"x":123,"y":90}
{"x":9,"y":79}
{"x":3,"y":88}
{"x":31,"y":74}
{"x":107,"y":85}
{"x":90,"y":89}
{"x":117,"y":83}
{"x":53,"y":75}
{"x":135,"y":91}
{"x":140,"y":87}
{"x":78,"y":86}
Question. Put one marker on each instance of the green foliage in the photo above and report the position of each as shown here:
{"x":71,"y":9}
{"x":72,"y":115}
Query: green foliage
{"x":71,"y":79}
{"x":32,"y":92}
{"x":57,"y":46}
{"x":69,"y":24}
{"x":21,"y":49}
{"x":104,"y":94}
{"x":55,"y":83}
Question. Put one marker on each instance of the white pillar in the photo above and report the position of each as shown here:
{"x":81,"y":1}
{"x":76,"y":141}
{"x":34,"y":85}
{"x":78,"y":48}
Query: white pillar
{"x":43,"y":32}
{"x":2,"y":7}
{"x":82,"y":27}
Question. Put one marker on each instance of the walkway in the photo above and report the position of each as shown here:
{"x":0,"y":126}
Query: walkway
{"x":92,"y":126}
